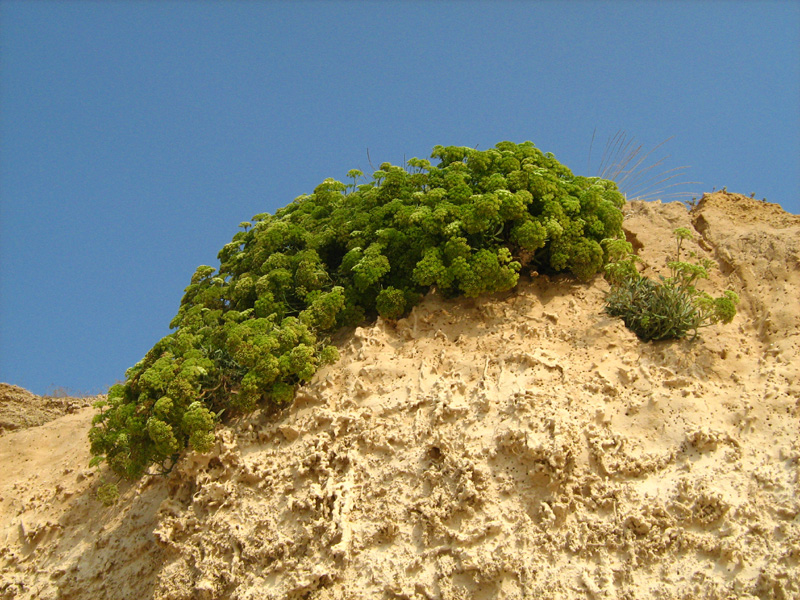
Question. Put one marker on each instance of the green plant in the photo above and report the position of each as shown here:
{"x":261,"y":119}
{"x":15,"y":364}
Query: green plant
{"x":108,"y":494}
{"x":665,"y":309}
{"x":253,"y":329}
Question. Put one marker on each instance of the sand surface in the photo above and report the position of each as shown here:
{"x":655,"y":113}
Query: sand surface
{"x":520,"y":446}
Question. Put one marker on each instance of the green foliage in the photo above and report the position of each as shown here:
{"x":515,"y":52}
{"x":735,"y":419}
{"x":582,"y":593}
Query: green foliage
{"x":251,"y":330}
{"x":391,"y":303}
{"x":108,"y":494}
{"x":669,"y":308}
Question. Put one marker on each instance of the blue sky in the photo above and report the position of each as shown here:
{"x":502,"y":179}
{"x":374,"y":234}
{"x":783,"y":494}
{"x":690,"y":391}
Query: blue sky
{"x":135,"y":136}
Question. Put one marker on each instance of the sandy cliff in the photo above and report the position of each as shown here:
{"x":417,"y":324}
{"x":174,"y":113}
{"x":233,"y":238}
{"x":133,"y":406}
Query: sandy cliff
{"x":519,"y":446}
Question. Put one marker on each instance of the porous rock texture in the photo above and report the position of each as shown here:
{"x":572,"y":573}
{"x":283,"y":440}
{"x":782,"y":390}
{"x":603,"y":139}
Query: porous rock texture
{"x":524,"y":445}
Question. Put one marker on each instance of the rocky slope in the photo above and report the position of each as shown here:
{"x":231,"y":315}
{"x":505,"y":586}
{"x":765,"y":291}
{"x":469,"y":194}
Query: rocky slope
{"x":519,"y":446}
{"x":20,"y":409}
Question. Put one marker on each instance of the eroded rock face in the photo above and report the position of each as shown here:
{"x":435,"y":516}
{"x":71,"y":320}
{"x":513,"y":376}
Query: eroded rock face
{"x":758,"y":244}
{"x":20,"y":409}
{"x":521,"y":446}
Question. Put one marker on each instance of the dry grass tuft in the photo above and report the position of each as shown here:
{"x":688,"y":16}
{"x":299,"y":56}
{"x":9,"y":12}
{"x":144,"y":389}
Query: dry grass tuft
{"x":626,"y":163}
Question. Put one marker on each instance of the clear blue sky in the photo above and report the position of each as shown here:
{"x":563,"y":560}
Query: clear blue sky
{"x":135,"y":136}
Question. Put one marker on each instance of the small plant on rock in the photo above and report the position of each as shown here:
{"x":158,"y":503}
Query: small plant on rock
{"x":108,"y":494}
{"x":669,"y":308}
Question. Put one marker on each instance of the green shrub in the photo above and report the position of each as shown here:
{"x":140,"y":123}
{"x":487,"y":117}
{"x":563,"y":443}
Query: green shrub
{"x":251,"y":330}
{"x":669,"y":308}
{"x":108,"y":494}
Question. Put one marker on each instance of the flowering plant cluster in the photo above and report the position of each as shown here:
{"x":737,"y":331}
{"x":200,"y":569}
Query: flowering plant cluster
{"x":251,"y":330}
{"x":671,"y":307}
